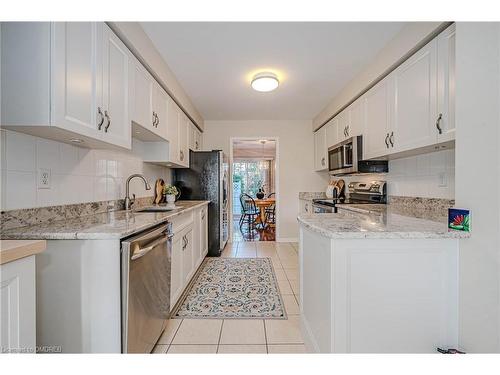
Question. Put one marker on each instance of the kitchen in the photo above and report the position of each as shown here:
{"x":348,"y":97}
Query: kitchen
{"x":116,"y":193}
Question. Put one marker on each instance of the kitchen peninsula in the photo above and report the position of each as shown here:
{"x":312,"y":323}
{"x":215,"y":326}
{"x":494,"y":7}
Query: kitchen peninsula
{"x":377,"y":281}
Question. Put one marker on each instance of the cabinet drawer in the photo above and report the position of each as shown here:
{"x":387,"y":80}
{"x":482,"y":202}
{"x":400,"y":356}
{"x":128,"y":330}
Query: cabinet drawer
{"x":182,"y":221}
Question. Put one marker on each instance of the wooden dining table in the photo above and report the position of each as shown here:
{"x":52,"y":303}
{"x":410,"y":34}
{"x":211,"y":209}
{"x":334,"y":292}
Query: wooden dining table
{"x":262,"y":204}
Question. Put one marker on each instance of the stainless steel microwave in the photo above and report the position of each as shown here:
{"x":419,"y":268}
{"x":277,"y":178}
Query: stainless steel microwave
{"x":347,"y":158}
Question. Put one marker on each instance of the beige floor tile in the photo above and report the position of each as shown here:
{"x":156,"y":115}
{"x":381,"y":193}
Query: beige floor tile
{"x":160,"y":349}
{"x":247,"y":245}
{"x":283,"y":349}
{"x":290,"y":262}
{"x":291,"y":305}
{"x":280,"y":274}
{"x":246,"y":254}
{"x":295,"y":284}
{"x":243,"y":331}
{"x":284,"y":331}
{"x":242,"y":349}
{"x":192,"y":349}
{"x":285,"y":287}
{"x":266,"y":245}
{"x":168,"y":334}
{"x":291,"y":273}
{"x":198,"y":331}
{"x":276,"y":263}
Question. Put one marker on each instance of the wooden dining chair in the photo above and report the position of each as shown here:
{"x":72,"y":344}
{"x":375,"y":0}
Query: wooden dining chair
{"x":270,"y":212}
{"x":249,"y":210}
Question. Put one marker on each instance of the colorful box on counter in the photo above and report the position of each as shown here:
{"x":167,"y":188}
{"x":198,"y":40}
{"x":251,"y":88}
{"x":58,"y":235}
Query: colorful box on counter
{"x":459,"y":219}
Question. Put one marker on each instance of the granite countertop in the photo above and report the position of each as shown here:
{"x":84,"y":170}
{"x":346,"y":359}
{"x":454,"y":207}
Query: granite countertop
{"x":378,"y":222}
{"x":106,"y":225}
{"x":310,"y":195}
{"x":11,"y":250}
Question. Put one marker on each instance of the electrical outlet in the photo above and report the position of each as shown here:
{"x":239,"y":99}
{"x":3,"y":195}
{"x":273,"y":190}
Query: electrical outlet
{"x":44,"y":178}
{"x":443,"y":182}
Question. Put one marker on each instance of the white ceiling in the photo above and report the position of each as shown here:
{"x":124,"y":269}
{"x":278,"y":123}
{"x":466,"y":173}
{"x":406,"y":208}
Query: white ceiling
{"x":214,"y":63}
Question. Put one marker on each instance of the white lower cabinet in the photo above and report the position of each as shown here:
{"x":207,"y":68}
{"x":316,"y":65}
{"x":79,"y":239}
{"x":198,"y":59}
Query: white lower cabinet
{"x":17,"y":303}
{"x":189,"y":248}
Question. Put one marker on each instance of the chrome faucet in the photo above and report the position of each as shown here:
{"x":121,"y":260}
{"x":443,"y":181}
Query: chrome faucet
{"x":129,"y":202}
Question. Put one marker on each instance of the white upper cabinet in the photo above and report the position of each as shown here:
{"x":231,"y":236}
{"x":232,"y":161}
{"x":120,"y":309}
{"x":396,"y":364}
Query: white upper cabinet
{"x":377,"y":119}
{"x":150,"y":106}
{"x":142,"y":110}
{"x":357,"y":112}
{"x":445,"y":123}
{"x":332,"y":132}
{"x":194,"y":137}
{"x":77,"y":77}
{"x":174,"y":117}
{"x":415,"y":101}
{"x":160,"y":107}
{"x":184,"y":129}
{"x":69,"y":79}
{"x":320,"y":150}
{"x":343,"y":127}
{"x":115,"y":90}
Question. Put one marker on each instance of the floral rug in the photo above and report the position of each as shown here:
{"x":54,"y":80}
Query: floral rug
{"x":228,"y":288}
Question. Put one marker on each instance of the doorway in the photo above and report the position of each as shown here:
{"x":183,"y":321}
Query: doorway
{"x":254,"y":166}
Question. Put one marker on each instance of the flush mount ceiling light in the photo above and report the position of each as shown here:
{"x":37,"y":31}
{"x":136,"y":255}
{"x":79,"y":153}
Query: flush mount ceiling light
{"x":265,"y":82}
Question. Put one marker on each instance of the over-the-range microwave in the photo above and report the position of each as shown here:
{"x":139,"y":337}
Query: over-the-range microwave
{"x":347,"y":158}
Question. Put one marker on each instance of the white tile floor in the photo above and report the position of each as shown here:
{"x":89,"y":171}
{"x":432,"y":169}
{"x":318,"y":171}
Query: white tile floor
{"x":245,"y":335}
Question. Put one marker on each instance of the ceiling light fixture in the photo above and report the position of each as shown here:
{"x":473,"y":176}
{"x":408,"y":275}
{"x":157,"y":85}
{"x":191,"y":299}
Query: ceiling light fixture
{"x":265,"y":82}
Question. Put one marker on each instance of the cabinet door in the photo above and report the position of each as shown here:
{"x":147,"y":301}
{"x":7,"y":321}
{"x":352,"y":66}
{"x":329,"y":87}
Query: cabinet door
{"x":357,"y":117}
{"x":142,"y":113}
{"x":76,"y":72}
{"x":377,"y":119}
{"x":204,"y":233}
{"x":187,"y":255}
{"x":160,"y":107}
{"x":184,"y":140}
{"x":177,"y":277}
{"x":344,"y":119}
{"x":332,"y":132}
{"x":116,"y":127}
{"x":445,"y":126}
{"x":320,"y":150}
{"x":192,"y":137}
{"x":415,"y":84}
{"x":173,"y":113}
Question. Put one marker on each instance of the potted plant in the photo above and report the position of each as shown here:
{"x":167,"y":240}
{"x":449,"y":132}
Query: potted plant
{"x":171,"y":193}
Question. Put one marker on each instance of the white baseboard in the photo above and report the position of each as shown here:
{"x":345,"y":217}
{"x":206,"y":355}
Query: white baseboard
{"x":287,"y":239}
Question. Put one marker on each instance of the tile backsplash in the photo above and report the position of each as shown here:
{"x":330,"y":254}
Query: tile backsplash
{"x":76,"y":174}
{"x":429,"y":175}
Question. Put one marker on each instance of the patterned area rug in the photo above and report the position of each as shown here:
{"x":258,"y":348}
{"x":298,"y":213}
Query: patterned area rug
{"x":234,"y":288}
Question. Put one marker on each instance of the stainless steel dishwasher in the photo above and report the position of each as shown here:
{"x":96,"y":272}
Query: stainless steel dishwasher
{"x":146,"y":266}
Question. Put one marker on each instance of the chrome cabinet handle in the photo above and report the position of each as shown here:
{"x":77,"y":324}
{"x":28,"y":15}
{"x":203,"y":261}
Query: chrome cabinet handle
{"x":347,"y":130}
{"x":323,"y":161}
{"x":391,"y":139}
{"x":181,"y":153}
{"x":157,"y":120}
{"x":438,"y":121}
{"x":387,"y":140}
{"x":196,"y":145}
{"x":99,"y":112}
{"x":154,"y":118}
{"x":306,"y":207}
{"x":108,"y":123}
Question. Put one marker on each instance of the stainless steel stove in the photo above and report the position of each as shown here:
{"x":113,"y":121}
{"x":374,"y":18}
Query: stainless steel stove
{"x":374,"y":192}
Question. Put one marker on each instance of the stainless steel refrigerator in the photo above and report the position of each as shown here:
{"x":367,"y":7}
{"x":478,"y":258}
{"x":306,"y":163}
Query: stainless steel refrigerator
{"x":207,"y":179}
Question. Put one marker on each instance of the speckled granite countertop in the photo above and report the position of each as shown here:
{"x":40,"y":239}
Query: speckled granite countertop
{"x":378,"y":222}
{"x":309,"y":196}
{"x":107,"y":225}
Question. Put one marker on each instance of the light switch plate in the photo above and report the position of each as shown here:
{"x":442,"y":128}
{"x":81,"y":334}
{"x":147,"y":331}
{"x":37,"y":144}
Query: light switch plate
{"x":443,"y":181}
{"x":44,"y":177}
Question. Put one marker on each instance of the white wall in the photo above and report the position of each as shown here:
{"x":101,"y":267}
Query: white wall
{"x":418,"y":176}
{"x":295,"y":153}
{"x":409,"y":37}
{"x":477,"y":183}
{"x":78,"y":174}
